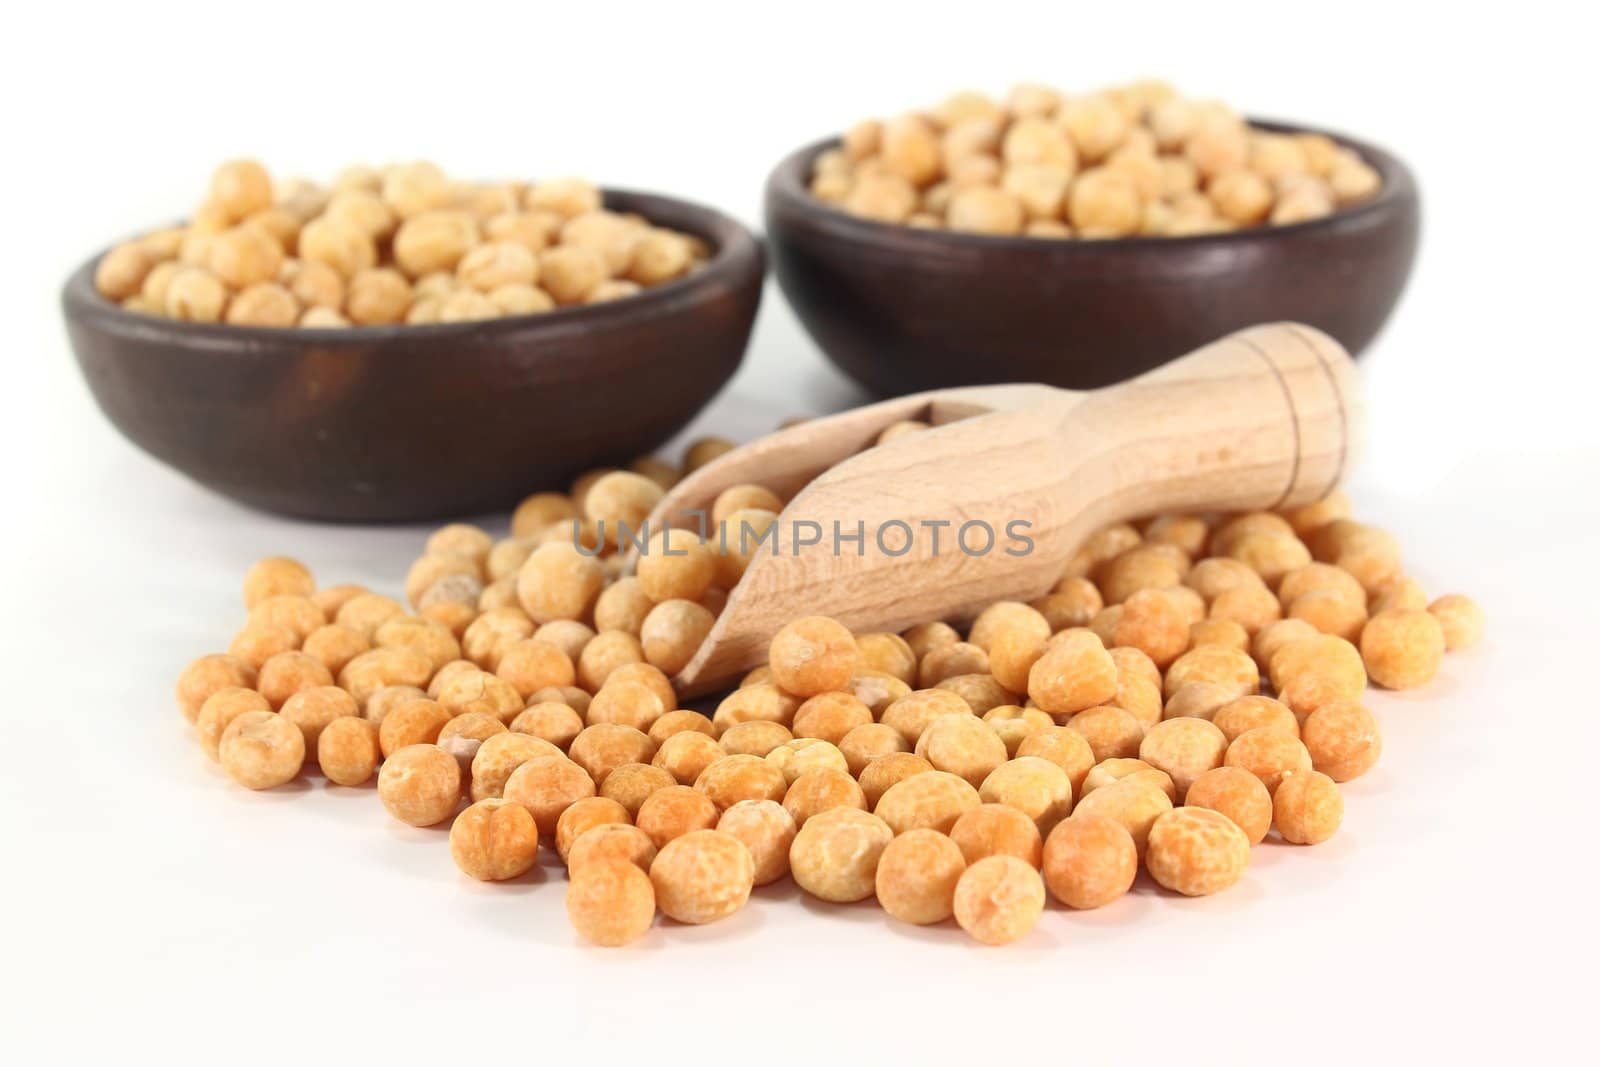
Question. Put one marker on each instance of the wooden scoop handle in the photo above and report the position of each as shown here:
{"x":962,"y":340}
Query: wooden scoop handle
{"x":1260,"y":419}
{"x":1263,"y":418}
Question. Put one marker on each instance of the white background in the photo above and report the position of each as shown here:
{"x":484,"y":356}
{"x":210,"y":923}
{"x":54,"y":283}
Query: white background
{"x":146,"y":905}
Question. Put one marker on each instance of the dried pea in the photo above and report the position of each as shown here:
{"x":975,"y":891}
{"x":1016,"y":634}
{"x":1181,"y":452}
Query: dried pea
{"x":702,"y":876}
{"x":916,"y":877}
{"x":1460,"y":618}
{"x":812,"y":655}
{"x":494,"y":840}
{"x":993,"y":829}
{"x":1196,"y":851}
{"x":835,"y":855}
{"x":998,"y":899}
{"x":261,"y":750}
{"x":611,"y":903}
{"x":584,"y":815}
{"x":1402,"y":649}
{"x":1307,"y":808}
{"x":420,"y":784}
{"x":348,"y":752}
{"x":1089,"y":861}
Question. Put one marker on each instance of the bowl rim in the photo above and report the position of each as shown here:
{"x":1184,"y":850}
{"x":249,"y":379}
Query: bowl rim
{"x":786,"y":187}
{"x":735,"y":250}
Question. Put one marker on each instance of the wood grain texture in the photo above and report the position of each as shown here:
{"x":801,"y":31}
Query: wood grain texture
{"x":1264,"y":418}
{"x":904,"y":310}
{"x":397,"y":423}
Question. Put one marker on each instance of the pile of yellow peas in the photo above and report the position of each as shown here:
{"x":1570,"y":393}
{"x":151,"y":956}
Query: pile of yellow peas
{"x":400,"y":244}
{"x":1136,"y":160}
{"x":1190,"y":684}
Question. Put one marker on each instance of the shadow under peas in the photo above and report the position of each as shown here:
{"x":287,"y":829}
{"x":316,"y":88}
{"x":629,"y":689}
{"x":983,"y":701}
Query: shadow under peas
{"x":428,"y":835}
{"x":1245,"y":894}
{"x":940,"y":933}
{"x":1131,"y":908}
{"x":869,"y":912}
{"x":528,"y":881}
{"x":782,"y":891}
{"x":1330,"y":858}
{"x":859,"y":912}
{"x":656,"y":939}
{"x":364,"y":793}
{"x":742,"y":923}
{"x":422,"y":849}
{"x":341,"y":803}
{"x":1043,"y":937}
{"x":290,"y":790}
{"x":505,"y":908}
{"x":297,"y":786}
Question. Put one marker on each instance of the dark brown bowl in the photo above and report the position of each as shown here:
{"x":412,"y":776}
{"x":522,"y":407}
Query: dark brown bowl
{"x":902,"y":309}
{"x":389,"y":423}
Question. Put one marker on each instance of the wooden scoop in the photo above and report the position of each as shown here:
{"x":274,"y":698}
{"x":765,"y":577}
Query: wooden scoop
{"x":1263,"y":418}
